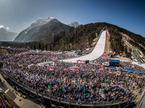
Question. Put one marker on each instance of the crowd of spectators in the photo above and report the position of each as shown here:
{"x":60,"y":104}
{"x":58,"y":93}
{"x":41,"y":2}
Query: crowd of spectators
{"x":28,"y":57}
{"x":73,"y":82}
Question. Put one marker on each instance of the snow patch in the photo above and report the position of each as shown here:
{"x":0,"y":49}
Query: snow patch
{"x":2,"y":26}
{"x":40,"y":22}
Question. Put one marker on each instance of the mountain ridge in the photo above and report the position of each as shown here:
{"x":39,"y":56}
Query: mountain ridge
{"x":6,"y":35}
{"x":81,"y":37}
{"x":48,"y":28}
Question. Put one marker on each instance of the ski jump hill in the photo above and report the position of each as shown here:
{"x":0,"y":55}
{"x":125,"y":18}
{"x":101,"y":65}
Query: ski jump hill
{"x":96,"y":53}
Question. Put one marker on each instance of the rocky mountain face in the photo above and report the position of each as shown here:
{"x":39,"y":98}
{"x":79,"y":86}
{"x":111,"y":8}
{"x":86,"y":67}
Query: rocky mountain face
{"x":43,"y":30}
{"x":6,"y":35}
{"x":51,"y":34}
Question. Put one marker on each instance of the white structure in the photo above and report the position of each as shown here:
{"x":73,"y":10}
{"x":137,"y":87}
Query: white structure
{"x":96,"y":53}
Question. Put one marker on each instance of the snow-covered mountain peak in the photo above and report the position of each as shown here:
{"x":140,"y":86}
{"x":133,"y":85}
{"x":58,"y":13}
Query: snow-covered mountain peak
{"x":40,"y":22}
{"x":4,"y":28}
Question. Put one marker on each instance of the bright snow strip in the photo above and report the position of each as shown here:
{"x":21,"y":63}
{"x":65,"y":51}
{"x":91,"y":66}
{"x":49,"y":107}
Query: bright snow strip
{"x":96,"y":53}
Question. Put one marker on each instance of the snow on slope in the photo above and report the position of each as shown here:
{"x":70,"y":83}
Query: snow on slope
{"x":39,"y":22}
{"x":96,"y":53}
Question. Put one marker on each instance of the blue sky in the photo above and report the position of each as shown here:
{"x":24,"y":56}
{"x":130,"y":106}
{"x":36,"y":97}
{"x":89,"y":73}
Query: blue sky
{"x":129,"y":14}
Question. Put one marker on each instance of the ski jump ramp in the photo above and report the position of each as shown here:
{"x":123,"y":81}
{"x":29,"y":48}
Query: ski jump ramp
{"x":96,"y":53}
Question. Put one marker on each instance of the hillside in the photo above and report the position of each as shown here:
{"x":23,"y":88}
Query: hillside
{"x":67,"y":38}
{"x":84,"y":35}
